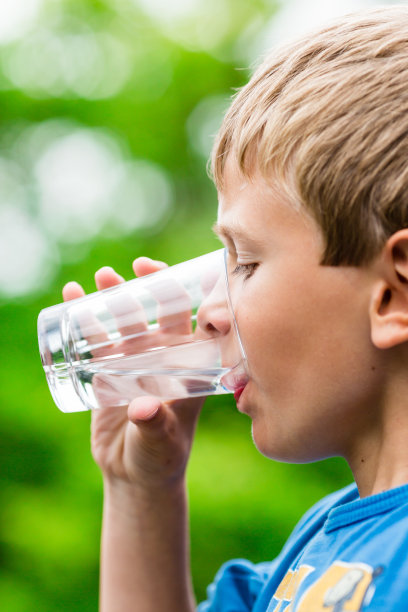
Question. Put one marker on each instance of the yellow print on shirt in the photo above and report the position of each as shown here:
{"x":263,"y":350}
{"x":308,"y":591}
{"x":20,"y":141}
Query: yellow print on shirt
{"x":289,"y":586}
{"x":344,"y":587}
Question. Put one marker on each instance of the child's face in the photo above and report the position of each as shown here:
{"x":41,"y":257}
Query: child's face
{"x":314,"y":373}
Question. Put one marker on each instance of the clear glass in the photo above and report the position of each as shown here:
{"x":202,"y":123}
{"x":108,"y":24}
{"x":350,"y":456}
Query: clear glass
{"x":170,"y":334}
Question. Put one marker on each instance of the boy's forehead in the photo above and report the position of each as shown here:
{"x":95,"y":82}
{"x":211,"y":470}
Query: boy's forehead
{"x":234,"y":178}
{"x":253,"y":186}
{"x":242,"y":196}
{"x":252,"y":209}
{"x":239,"y":214}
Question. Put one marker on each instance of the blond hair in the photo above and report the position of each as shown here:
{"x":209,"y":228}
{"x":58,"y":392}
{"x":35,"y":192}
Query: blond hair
{"x":327,"y":117}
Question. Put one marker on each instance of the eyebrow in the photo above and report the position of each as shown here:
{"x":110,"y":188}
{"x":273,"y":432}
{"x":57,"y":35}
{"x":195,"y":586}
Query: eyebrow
{"x":233,"y":231}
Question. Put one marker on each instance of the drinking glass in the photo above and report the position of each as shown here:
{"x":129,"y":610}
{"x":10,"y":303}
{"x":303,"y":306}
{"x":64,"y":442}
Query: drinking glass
{"x":171,"y":334}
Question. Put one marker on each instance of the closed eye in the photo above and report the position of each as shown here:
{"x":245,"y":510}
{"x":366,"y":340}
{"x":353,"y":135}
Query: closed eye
{"x":245,"y":270}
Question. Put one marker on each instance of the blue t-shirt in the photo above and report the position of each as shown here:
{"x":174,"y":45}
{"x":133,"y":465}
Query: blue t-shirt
{"x":346,"y":554}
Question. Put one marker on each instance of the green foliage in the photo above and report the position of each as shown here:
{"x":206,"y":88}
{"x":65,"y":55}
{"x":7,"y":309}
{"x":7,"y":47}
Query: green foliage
{"x":241,"y":504}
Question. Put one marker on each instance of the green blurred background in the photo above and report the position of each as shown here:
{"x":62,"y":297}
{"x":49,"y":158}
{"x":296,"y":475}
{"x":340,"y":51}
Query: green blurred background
{"x":108,"y":108}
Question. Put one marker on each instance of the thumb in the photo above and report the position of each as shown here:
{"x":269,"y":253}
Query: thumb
{"x":143,"y":409}
{"x":151,"y":417}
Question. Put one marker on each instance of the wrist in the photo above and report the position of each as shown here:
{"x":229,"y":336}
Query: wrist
{"x":129,"y":497}
{"x":145,"y":535}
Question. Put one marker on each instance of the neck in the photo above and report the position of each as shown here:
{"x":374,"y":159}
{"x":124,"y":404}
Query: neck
{"x":379,"y":461}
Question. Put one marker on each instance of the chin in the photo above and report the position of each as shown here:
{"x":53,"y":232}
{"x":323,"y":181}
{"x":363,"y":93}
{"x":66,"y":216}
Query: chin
{"x":284,"y":451}
{"x":268,"y":448}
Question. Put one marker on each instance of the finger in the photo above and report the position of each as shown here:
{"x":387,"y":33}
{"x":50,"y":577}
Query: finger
{"x":91,"y":330}
{"x":107,"y":277}
{"x":130,"y":315}
{"x":128,"y":312}
{"x":156,"y":420}
{"x":144,"y":265}
{"x":71,"y":291}
{"x":176,"y":315}
{"x":174,"y":310}
{"x":130,"y":318}
{"x":146,"y":408}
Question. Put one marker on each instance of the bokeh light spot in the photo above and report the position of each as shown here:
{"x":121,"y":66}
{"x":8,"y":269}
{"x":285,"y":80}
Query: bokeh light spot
{"x":194,"y":24}
{"x":77,"y":62}
{"x":204,"y":122}
{"x":142,"y":196}
{"x":61,"y":187}
{"x":27,"y":263}
{"x":74,"y":178}
{"x":16,"y":17}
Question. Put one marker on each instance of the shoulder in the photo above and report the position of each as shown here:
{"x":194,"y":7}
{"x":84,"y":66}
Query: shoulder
{"x":239,"y":582}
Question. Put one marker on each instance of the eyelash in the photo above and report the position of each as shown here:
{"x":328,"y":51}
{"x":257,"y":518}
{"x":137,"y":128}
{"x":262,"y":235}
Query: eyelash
{"x":246,"y":269}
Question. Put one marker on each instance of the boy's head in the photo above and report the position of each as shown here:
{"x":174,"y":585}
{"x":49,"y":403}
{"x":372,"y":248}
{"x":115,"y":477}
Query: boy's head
{"x":327,"y":119}
{"x":311,"y":166}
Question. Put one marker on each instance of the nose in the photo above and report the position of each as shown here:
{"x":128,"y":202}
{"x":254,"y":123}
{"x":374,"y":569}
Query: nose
{"x":213,"y":316}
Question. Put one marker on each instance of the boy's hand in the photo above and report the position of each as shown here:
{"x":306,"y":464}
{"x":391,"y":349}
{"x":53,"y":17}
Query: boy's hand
{"x":148,"y":443}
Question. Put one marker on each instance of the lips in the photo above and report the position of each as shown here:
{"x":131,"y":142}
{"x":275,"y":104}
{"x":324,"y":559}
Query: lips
{"x":238,"y":393}
{"x":235,"y":381}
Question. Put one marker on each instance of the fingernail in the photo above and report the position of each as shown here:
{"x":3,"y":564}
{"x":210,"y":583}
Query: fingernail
{"x":144,"y":258}
{"x":144,"y":409}
{"x":152,"y":412}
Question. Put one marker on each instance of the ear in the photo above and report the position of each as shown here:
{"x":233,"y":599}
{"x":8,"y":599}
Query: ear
{"x":389,"y":305}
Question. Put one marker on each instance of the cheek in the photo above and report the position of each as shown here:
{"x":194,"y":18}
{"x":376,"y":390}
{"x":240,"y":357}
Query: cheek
{"x":270,"y":318}
{"x":291,"y":327}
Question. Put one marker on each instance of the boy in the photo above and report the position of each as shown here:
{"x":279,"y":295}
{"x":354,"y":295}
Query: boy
{"x":311,"y":168}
